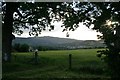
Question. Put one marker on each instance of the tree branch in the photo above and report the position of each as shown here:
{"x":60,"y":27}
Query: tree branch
{"x":33,"y":13}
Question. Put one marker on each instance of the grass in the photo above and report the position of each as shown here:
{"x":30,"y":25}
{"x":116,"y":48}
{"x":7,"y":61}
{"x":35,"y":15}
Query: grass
{"x":55,"y":64}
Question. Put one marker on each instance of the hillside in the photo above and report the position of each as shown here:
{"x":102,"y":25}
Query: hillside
{"x":58,"y":42}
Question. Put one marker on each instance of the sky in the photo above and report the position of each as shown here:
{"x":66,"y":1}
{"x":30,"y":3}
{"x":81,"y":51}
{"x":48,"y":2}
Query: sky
{"x":81,"y":33}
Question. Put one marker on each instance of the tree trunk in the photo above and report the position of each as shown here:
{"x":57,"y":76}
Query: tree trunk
{"x":115,"y":58}
{"x":7,"y":28}
{"x":117,"y":41}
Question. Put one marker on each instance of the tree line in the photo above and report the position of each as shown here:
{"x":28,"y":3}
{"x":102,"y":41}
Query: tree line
{"x":17,"y":47}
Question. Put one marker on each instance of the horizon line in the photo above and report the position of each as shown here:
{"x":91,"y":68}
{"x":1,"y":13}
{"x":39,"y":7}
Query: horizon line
{"x":54,"y":37}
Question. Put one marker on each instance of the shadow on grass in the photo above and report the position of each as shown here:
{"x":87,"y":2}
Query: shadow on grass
{"x":88,"y":70}
{"x":49,"y":67}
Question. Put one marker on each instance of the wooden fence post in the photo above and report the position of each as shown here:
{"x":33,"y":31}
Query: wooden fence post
{"x":70,"y":61}
{"x":15,"y":57}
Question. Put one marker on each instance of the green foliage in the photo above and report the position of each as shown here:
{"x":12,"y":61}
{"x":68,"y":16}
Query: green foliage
{"x":41,"y":48}
{"x":106,"y":20}
{"x":30,"y":15}
{"x":113,"y":62}
{"x":21,"y":47}
{"x":33,"y":16}
{"x":16,"y":47}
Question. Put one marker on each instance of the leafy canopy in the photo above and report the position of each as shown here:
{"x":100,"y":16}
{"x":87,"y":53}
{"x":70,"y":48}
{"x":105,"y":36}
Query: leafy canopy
{"x":105,"y":17}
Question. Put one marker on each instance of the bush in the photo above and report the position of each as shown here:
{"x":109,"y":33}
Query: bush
{"x":21,"y":47}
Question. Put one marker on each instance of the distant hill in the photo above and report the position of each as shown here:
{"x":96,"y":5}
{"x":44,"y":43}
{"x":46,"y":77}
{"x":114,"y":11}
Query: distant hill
{"x":58,"y":42}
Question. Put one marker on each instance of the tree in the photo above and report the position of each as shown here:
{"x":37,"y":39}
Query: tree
{"x":7,"y":30}
{"x":21,"y":47}
{"x":106,"y":20}
{"x":16,"y":47}
{"x":19,"y":16}
{"x":24,"y":48}
{"x":104,"y":16}
{"x":42,"y":48}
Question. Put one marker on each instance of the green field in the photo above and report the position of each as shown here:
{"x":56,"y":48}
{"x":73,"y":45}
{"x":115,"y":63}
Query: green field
{"x":55,"y":64}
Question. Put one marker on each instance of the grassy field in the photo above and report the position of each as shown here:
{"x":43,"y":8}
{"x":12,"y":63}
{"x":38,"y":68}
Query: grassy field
{"x":55,"y":64}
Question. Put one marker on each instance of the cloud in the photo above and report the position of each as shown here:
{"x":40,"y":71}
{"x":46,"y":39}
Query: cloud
{"x":81,"y":33}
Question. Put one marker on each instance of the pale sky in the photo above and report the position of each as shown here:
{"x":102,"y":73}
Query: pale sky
{"x":81,"y":33}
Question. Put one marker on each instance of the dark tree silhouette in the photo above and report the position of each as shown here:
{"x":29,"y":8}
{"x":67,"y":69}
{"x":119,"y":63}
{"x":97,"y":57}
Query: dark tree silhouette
{"x":106,"y":20}
{"x":21,"y":47}
{"x":7,"y":29}
{"x":104,"y":16}
{"x":18,"y":16}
